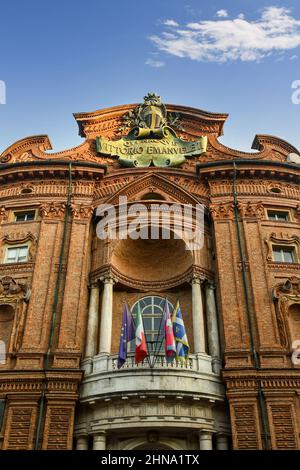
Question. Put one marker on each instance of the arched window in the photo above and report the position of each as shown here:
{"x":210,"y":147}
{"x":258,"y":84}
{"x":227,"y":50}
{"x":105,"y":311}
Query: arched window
{"x":152,"y":308}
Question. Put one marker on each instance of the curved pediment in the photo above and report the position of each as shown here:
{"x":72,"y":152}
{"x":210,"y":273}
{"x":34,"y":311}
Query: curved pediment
{"x":109,"y":122}
{"x":156,"y":185}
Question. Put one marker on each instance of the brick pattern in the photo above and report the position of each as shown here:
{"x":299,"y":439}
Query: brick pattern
{"x":58,"y":428}
{"x":20,"y":428}
{"x":245,"y":427}
{"x":283,"y":427}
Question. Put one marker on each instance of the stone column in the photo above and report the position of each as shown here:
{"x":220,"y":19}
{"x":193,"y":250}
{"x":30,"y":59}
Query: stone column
{"x":212,"y":326}
{"x":93,"y":321}
{"x":106,"y":316}
{"x":99,"y":442}
{"x":198,"y":317}
{"x":205,"y":440}
{"x":82,"y":443}
{"x":222,"y":442}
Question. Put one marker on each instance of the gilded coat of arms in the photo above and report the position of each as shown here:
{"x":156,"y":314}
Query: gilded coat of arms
{"x":151,"y":140}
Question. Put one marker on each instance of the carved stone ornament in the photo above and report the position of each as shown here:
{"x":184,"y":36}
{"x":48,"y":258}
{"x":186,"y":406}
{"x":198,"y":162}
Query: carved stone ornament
{"x":222,"y":211}
{"x":12,"y":290}
{"x":16,"y":294}
{"x":151,"y":140}
{"x":282,"y":239}
{"x":82,"y":212}
{"x":3,"y":214}
{"x":251,"y":209}
{"x":53,"y":210}
{"x":286,"y":294}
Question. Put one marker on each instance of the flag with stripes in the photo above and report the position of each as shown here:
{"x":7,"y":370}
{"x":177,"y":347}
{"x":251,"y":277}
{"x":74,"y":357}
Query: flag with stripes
{"x":170,"y":347}
{"x":182,"y":344}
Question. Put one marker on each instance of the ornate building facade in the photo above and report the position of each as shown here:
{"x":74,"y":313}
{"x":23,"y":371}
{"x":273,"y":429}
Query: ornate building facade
{"x":62,"y":288}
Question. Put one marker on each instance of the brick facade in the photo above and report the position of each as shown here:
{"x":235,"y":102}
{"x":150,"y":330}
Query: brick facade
{"x":49,"y":293}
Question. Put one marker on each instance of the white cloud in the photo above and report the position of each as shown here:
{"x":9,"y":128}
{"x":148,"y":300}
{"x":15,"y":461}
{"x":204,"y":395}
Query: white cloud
{"x":171,"y":23}
{"x":155,"y":63}
{"x":223,"y":40}
{"x":294,"y":57}
{"x":222,"y":14}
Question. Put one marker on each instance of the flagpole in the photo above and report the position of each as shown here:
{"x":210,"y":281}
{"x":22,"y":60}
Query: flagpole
{"x":156,"y":355}
{"x":146,"y":341}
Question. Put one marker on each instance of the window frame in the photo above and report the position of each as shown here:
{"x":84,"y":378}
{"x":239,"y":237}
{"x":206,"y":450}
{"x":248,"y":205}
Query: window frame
{"x":19,"y":212}
{"x":153,"y":333}
{"x":286,"y":248}
{"x":16,"y":247}
{"x":278,"y":212}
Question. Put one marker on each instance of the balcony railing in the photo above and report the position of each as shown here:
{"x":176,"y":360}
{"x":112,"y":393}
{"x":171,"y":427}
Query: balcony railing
{"x":153,"y":363}
{"x":106,"y":364}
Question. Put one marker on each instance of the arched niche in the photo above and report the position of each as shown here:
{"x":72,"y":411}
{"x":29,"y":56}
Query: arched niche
{"x":7,"y":313}
{"x":287,"y":298}
{"x":151,"y":260}
{"x":14,"y":297}
{"x":294,"y":321}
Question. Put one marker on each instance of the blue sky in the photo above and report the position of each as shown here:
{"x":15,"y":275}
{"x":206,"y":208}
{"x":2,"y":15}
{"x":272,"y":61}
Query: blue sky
{"x":238,"y":57}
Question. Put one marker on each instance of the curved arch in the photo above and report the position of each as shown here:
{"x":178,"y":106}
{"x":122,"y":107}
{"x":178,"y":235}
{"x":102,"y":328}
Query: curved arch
{"x":294,"y":320}
{"x":151,"y":260}
{"x":141,"y":443}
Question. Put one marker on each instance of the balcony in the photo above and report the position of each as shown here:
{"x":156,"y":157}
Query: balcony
{"x":194,"y":378}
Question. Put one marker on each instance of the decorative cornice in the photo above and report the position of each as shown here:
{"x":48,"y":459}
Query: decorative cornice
{"x":269,"y":380}
{"x":186,"y":277}
{"x":18,"y":238}
{"x":110,"y":120}
{"x":39,"y":142}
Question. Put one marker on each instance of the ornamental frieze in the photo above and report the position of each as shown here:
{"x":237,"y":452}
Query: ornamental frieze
{"x":53,"y":210}
{"x":222,"y":211}
{"x":250,"y":209}
{"x":82,"y":212}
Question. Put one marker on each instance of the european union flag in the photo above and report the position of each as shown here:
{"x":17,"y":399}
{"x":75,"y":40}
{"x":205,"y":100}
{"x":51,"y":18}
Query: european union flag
{"x":182,"y":344}
{"x":127,"y":334}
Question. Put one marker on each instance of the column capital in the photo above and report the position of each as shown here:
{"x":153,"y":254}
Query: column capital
{"x":206,"y":432}
{"x":196,"y":279}
{"x":99,"y":434}
{"x":107,"y":279}
{"x":93,"y":284}
{"x":210,"y":284}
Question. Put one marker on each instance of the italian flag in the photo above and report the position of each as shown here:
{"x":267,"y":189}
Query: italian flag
{"x":140,"y":340}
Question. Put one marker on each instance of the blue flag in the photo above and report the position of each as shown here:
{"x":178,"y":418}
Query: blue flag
{"x":182,"y":344}
{"x":127,"y":334}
